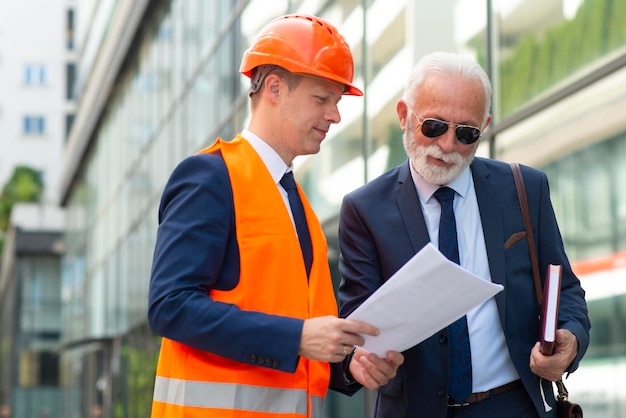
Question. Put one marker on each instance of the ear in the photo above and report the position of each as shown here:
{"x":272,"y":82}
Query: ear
{"x":273,"y":86}
{"x":487,"y":122}
{"x":402,"y":110}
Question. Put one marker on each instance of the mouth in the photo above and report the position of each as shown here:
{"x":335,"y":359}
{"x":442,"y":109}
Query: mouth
{"x":446,"y":160}
{"x":322,"y":132}
{"x":439,"y":161}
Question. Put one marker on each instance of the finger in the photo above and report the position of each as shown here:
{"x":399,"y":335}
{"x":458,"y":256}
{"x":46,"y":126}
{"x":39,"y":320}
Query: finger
{"x":358,"y":327}
{"x":372,"y":377}
{"x":379,"y":369}
{"x":395,"y":358}
{"x":347,"y":349}
{"x":340,"y":353}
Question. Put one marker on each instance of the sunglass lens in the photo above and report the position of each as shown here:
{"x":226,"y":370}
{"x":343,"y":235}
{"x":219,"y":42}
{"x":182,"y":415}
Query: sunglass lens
{"x":432,"y":128}
{"x":467,"y":134}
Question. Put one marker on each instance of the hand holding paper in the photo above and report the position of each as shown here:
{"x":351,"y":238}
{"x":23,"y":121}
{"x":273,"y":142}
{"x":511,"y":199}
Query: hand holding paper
{"x":427,"y":294}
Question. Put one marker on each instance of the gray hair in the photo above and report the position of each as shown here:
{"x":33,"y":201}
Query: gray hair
{"x":449,"y":64}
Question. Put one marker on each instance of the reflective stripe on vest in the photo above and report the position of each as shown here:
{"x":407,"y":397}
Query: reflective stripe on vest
{"x":235,"y":396}
{"x":230,"y":396}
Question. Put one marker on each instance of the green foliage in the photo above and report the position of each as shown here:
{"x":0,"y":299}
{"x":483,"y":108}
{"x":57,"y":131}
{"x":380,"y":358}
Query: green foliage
{"x":616,"y":12}
{"x":539,"y":61}
{"x":133,"y":391}
{"x":25,"y":185}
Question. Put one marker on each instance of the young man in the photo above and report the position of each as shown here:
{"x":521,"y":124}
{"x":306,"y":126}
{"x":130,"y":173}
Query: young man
{"x":240,"y":287}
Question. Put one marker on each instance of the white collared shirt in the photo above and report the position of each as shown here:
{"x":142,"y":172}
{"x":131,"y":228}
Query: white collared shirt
{"x":491,"y":363}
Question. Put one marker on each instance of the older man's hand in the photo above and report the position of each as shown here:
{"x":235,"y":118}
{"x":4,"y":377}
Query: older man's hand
{"x":372,"y":371}
{"x":552,"y":367}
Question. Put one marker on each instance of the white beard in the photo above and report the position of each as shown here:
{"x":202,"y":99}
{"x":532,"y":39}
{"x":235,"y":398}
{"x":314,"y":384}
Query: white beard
{"x":418,"y":155}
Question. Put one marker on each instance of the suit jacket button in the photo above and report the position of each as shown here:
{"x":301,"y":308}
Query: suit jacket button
{"x":252,"y":358}
{"x":443,"y":339}
{"x":441,"y":393}
{"x":275,"y":364}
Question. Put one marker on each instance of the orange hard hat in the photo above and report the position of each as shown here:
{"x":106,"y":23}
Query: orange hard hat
{"x":303,"y":44}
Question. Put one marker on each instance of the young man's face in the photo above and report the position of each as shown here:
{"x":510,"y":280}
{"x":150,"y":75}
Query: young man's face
{"x":307,"y":112}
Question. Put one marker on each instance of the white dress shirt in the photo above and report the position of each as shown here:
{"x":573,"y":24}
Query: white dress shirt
{"x":491,"y":362}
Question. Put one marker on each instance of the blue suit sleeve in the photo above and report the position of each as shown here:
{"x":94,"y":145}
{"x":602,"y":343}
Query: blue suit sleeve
{"x":196,"y":251}
{"x":573,"y":314}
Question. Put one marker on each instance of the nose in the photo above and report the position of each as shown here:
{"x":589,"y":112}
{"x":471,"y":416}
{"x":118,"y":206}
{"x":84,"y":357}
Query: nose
{"x":333,"y":115}
{"x":448,"y":142}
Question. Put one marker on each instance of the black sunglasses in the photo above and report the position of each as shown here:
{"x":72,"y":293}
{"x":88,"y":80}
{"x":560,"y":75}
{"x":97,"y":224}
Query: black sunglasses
{"x":433,"y":128}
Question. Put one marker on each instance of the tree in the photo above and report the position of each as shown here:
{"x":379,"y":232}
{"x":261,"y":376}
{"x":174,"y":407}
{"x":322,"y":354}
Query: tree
{"x":25,"y":185}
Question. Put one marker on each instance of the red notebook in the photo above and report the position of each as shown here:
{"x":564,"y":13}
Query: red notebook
{"x":550,"y":309}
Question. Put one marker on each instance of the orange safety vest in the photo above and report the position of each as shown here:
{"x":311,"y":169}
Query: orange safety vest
{"x":194,"y":383}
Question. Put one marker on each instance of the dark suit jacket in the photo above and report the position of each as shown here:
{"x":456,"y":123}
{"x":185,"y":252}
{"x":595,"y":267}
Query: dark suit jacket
{"x":382,"y":227}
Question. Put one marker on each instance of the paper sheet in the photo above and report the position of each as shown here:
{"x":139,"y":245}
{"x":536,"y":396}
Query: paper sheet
{"x":426,"y":295}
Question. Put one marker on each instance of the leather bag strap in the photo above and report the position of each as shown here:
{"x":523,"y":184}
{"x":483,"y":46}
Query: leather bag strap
{"x":523,"y":202}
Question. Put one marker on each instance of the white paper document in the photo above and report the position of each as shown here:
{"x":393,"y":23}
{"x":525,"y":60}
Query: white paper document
{"x":426,"y":295}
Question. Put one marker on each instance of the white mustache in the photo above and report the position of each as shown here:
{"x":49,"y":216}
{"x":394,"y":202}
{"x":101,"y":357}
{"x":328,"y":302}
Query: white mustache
{"x":453,"y":158}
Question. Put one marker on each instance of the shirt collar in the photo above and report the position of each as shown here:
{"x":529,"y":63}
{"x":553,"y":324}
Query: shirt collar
{"x":425,"y":190}
{"x":274,"y":163}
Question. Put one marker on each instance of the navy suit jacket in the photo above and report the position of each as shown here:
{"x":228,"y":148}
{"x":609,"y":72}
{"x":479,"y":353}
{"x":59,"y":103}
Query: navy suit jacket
{"x":382,"y":226}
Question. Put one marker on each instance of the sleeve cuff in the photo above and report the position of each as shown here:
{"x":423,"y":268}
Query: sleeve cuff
{"x":350,"y":380}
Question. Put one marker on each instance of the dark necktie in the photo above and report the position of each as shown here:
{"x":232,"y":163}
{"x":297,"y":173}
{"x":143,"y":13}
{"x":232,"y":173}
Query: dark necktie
{"x":460,"y":386}
{"x":299,"y":218}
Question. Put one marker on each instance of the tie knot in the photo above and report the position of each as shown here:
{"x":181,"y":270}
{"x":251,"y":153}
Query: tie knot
{"x":288,"y":182}
{"x":444,"y":194}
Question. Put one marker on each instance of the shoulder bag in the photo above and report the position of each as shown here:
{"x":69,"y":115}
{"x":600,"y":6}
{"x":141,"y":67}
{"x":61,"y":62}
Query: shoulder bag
{"x":565,"y":408}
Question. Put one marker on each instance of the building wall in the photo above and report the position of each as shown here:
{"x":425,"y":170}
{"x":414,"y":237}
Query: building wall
{"x":175,"y":87}
{"x":35,"y":104}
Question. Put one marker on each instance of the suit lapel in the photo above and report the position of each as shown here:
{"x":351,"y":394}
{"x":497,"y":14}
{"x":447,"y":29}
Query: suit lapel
{"x":489,"y":206}
{"x":410,"y":209}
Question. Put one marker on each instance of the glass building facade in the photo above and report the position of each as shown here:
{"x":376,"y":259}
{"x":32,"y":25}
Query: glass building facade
{"x":171,"y":86}
{"x":30,"y":307}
